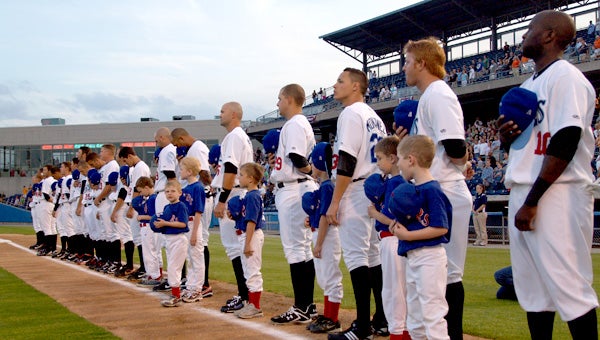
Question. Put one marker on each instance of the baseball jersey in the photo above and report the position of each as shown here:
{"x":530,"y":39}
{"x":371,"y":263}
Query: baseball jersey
{"x":359,"y":129}
{"x":75,"y":190}
{"x":390,"y":184}
{"x":140,"y":169}
{"x":252,"y":210}
{"x":144,"y":206}
{"x":88,"y":193}
{"x":47,"y":187}
{"x":236,"y":149}
{"x":565,"y":98}
{"x":174,"y":212}
{"x":440,"y":117}
{"x":114,"y":194}
{"x":106,"y":170}
{"x":436,"y":212}
{"x":297,"y":137}
{"x":167,"y":161}
{"x":325,"y":196}
{"x":199,"y":150}
{"x":65,"y":192}
{"x":193,"y":196}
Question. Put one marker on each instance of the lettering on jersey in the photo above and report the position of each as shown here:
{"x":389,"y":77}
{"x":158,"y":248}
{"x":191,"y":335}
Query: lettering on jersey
{"x":414,"y":129}
{"x":539,"y":116}
{"x":278,"y":163}
{"x":376,"y":125}
{"x":423,"y":218}
{"x":377,"y":129}
{"x":187,"y":197}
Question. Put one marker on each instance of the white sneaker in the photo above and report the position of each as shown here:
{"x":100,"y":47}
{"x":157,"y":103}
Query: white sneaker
{"x":171,"y":302}
{"x":249,"y":312}
{"x":191,"y":296}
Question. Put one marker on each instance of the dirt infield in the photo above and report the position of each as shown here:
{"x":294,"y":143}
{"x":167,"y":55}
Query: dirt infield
{"x":133,"y":312}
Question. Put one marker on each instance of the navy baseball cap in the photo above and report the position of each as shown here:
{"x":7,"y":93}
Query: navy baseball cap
{"x":405,"y":113}
{"x":53,"y":186}
{"x":157,"y":152}
{"x":94,"y":177}
{"x":321,"y":156}
{"x":271,"y":141}
{"x":76,"y":174}
{"x":234,"y":205}
{"x":182,"y":151}
{"x":124,"y":171}
{"x":405,"y":203}
{"x":214,"y":154}
{"x":309,"y":202}
{"x":374,"y":188}
{"x":69,"y":182}
{"x":113,"y":178}
{"x":60,"y":182}
{"x":519,"y":105}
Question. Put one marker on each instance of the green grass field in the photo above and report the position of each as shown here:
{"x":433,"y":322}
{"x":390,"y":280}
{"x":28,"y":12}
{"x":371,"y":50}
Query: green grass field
{"x":484,"y":315}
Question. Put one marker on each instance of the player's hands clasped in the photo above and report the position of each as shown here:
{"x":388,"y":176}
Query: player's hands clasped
{"x":524,"y":218}
{"x":219,"y":210}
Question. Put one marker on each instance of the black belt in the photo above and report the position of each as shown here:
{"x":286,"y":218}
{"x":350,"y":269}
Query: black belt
{"x":358,"y":179}
{"x":87,"y":204}
{"x":300,"y":180}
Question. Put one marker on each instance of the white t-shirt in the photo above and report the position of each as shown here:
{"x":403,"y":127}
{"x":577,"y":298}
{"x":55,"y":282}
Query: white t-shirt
{"x":167,"y":161}
{"x":297,"y":137}
{"x":359,"y":129}
{"x":236,"y":149}
{"x":565,"y":98}
{"x":440,"y":117}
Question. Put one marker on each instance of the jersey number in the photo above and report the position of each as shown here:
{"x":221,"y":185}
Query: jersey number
{"x":373,"y":141}
{"x":542,"y":143}
{"x":278,"y":163}
{"x":335,"y":162}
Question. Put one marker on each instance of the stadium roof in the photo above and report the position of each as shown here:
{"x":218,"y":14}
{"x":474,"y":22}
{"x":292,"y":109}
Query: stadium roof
{"x":385,"y":35}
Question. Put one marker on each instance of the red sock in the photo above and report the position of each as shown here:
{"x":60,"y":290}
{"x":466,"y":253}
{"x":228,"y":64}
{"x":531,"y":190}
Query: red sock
{"x":326,"y":306}
{"x":254,"y":298}
{"x":160,"y":277}
{"x":334,"y":311}
{"x":176,"y":292}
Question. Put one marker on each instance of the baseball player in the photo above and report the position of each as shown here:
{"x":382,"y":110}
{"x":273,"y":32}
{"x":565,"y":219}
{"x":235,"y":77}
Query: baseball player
{"x":393,"y":266}
{"x":79,"y":239}
{"x":550,"y":212}
{"x":64,"y":219}
{"x":326,"y":241}
{"x":119,"y":206}
{"x":291,"y":175}
{"x":440,"y":117}
{"x":144,"y":205}
{"x":250,"y":222}
{"x":90,"y":213}
{"x":137,"y":168}
{"x":47,"y":200}
{"x":35,"y":200}
{"x":358,"y":131}
{"x":199,"y":150}
{"x":236,"y":149}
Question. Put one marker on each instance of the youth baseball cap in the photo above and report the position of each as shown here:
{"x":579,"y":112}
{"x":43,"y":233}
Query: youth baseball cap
{"x":271,"y":141}
{"x":214,"y":154}
{"x":60,"y":182}
{"x":405,"y":203}
{"x":374,"y":188}
{"x":124,"y":171}
{"x":113,"y":178}
{"x":69,"y":182}
{"x":234,"y":205}
{"x":157,"y":152}
{"x":53,"y":186}
{"x":321,"y":156}
{"x":182,"y":151}
{"x":94,"y":176}
{"x":519,"y":105}
{"x":76,"y":174}
{"x":405,"y":113}
{"x":309,"y":202}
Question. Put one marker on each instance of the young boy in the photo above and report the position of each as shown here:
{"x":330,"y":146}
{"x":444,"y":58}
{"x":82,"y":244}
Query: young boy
{"x":172,"y":223}
{"x":194,"y":198}
{"x":144,"y":205}
{"x":423,"y":217}
{"x":393,"y":292}
{"x":249,"y":228}
{"x":327,"y":250}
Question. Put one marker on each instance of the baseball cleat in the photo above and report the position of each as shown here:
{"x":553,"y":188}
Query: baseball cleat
{"x":207,"y":292}
{"x":351,"y":333}
{"x":171,"y":302}
{"x":248,"y":312}
{"x":294,"y":315}
{"x":232,"y":305}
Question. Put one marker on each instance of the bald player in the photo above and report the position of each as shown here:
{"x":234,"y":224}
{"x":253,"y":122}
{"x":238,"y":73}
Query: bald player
{"x":440,"y":117}
{"x":197,"y":149}
{"x":236,"y":149}
{"x":550,"y":213}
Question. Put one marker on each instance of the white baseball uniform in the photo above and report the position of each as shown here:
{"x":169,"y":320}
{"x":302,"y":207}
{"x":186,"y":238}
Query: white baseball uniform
{"x":552,"y":265}
{"x":34,"y":205}
{"x":236,"y":149}
{"x":75,"y":193}
{"x":107,"y":227}
{"x":359,"y":129}
{"x":140,"y":169}
{"x":296,"y":137}
{"x":64,"y":219}
{"x":121,"y":226}
{"x":47,"y":222}
{"x":440,"y":117}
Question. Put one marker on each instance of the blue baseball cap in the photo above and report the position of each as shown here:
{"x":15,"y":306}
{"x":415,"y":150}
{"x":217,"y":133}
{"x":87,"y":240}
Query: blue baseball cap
{"x":405,"y":203}
{"x":113,"y":178}
{"x":271,"y":141}
{"x":76,"y":174}
{"x":53,"y":186}
{"x":157,"y":152}
{"x":235,"y":207}
{"x":519,"y":105}
{"x":182,"y":151}
{"x":94,"y":177}
{"x":214,"y":154}
{"x":405,"y":113}
{"x":69,"y":182}
{"x":374,"y":188}
{"x":60,"y":182}
{"x":310,"y":203}
{"x":321,"y":156}
{"x":124,"y":171}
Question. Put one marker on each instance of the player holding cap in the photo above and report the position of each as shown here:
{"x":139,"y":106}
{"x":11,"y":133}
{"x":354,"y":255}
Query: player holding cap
{"x":359,"y":129}
{"x":291,"y":174}
{"x":440,"y":117}
{"x":550,"y":213}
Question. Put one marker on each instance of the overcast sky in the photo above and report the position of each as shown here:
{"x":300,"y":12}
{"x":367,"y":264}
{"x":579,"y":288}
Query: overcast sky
{"x":100,"y":61}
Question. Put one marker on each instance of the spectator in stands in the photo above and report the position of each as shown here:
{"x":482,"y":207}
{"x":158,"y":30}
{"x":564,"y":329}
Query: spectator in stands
{"x":504,"y":278}
{"x":591,"y":30}
{"x":506,"y":47}
{"x":384,"y":93}
{"x":492,"y":69}
{"x":452,"y":80}
{"x":471,"y":74}
{"x":478,"y":69}
{"x":499,"y":177}
{"x":464,"y":78}
{"x":570,"y":50}
{"x":314,"y":96}
{"x":393,"y":91}
{"x":487,"y":174}
{"x":373,"y":74}
{"x":495,"y":147}
{"x":515,"y":65}
{"x":476,"y":152}
{"x":581,"y":48}
{"x":484,"y":148}
{"x":597,"y":46}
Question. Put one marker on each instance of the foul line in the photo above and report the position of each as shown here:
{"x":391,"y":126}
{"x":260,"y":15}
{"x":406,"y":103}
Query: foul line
{"x":258,"y":327}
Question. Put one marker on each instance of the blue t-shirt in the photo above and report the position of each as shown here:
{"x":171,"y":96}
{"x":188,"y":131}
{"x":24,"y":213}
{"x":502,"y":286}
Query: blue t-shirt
{"x":390,"y":184}
{"x":144,"y":206}
{"x":436,"y":212}
{"x":324,"y":195}
{"x":174,"y":212}
{"x":252,"y":210}
{"x":480,"y":199}
{"x":193,"y":196}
